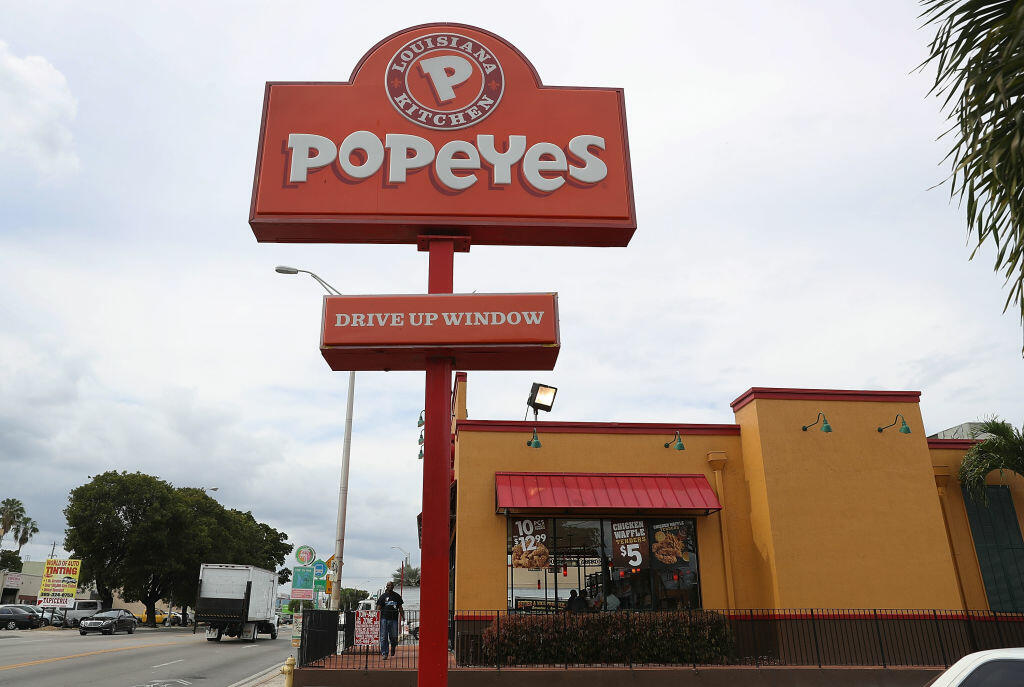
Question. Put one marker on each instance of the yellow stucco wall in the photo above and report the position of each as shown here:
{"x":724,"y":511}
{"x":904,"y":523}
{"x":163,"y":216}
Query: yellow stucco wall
{"x":854,"y":515}
{"x":481,"y":565}
{"x":849,"y":519}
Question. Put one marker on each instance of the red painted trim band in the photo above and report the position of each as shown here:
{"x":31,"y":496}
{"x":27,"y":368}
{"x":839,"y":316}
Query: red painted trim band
{"x":782,"y":394}
{"x":961,"y":444}
{"x":654,"y":428}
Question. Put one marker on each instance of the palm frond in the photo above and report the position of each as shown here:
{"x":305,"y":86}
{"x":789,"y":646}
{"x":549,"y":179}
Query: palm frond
{"x":1002,"y":449}
{"x":978,"y":54}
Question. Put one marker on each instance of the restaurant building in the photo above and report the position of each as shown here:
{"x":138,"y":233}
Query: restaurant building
{"x":760,"y":513}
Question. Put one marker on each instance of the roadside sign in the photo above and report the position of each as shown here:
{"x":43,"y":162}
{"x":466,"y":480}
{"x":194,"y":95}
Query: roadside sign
{"x":445,"y":126}
{"x":302,"y":582}
{"x":332,"y":565}
{"x":305,"y":555}
{"x":297,"y":629}
{"x":319,"y":570}
{"x":60,"y":582}
{"x":367,"y":628}
{"x":13,"y":580}
{"x":479,"y":331}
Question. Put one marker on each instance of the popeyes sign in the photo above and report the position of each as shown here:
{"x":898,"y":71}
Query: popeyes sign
{"x":445,"y":126}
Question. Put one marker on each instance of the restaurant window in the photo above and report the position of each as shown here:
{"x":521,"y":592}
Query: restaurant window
{"x":627,"y":563}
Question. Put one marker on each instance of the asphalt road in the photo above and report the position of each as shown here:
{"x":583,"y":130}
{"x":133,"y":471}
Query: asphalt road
{"x":149,"y":658}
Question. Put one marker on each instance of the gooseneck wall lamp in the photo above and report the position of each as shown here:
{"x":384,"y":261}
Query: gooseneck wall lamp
{"x":904,"y":428}
{"x":825,"y":426}
{"x":676,"y":442}
{"x":535,"y":441}
{"x":423,"y":419}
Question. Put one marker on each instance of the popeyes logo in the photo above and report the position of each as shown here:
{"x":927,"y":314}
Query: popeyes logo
{"x":463,"y":136}
{"x":444,"y":81}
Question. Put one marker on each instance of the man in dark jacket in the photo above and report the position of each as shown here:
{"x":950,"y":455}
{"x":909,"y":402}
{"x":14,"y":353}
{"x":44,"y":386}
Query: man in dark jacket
{"x":390,"y":606}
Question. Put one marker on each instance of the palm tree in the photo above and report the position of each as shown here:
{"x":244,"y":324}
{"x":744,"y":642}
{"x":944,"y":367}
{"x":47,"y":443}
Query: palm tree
{"x":24,"y":531}
{"x":411,"y":579}
{"x":1001,"y":449}
{"x":978,"y":52}
{"x":11,"y":513}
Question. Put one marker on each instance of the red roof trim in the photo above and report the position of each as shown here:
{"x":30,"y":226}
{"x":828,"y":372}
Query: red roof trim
{"x":782,"y":394}
{"x":960,"y":444}
{"x":534,"y":492}
{"x":596,"y":427}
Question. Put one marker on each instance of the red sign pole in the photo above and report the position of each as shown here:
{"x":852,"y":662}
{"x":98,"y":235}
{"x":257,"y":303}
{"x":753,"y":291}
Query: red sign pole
{"x":434,"y":611}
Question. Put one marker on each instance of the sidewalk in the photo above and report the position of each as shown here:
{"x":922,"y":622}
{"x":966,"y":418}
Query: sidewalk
{"x":268,"y":678}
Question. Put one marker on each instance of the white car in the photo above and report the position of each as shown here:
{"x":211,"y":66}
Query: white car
{"x":993,"y":668}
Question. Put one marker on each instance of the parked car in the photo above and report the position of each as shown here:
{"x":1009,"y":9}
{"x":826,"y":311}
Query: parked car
{"x":54,"y":616}
{"x":160,"y":615}
{"x":14,"y":617}
{"x":82,"y":608}
{"x":109,"y":622}
{"x":993,"y":668}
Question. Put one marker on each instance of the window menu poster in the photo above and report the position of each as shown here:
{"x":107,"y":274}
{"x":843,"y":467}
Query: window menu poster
{"x":673,"y":544}
{"x":530,"y":543}
{"x":630,"y":547}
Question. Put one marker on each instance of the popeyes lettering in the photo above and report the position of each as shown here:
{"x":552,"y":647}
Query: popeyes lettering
{"x":427,"y":319}
{"x":544,"y":166}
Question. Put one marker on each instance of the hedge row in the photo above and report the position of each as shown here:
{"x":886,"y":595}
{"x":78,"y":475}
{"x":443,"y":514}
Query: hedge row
{"x":666,"y":637}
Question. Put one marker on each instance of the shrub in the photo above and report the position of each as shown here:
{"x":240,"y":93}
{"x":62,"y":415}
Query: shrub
{"x":659,"y":637}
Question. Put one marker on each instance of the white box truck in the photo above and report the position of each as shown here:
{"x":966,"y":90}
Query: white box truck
{"x":237,"y":601}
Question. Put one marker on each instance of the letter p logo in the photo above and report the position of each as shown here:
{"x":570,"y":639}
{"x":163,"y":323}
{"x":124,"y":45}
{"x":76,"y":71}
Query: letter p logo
{"x":445,"y":73}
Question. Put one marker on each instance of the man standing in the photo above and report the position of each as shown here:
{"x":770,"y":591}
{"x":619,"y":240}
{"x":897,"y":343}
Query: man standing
{"x":390,"y":606}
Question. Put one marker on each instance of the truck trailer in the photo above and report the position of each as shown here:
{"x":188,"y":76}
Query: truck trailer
{"x":237,"y":601}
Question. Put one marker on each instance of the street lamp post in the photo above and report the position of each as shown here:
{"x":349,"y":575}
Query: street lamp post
{"x":405,"y":564}
{"x":346,"y":452}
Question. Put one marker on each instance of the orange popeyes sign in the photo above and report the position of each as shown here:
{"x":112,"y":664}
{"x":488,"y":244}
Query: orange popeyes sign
{"x":503,"y":331}
{"x":445,"y":126}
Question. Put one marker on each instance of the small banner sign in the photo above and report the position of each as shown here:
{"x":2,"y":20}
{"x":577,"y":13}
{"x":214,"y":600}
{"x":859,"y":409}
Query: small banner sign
{"x":302,"y":582}
{"x":507,"y":331}
{"x":630,"y":548}
{"x":60,"y":582}
{"x":367,"y":628}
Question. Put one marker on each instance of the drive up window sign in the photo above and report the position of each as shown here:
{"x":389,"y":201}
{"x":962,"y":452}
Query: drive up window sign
{"x":447,"y":126}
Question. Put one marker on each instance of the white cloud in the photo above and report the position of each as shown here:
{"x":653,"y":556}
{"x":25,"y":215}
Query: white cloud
{"x":36,"y":113}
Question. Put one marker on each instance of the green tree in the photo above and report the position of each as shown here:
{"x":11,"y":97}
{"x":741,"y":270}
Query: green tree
{"x":350,"y":597}
{"x":284,"y":575}
{"x":11,"y":513}
{"x":139,"y":534}
{"x":24,"y":531}
{"x":412,"y":576}
{"x":10,"y":561}
{"x":126,"y":528}
{"x":978,"y":53}
{"x":1002,"y":449}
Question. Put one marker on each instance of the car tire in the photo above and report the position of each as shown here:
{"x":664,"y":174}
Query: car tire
{"x":108,"y":632}
{"x":11,"y":625}
{"x":131,"y":629}
{"x":82,"y":632}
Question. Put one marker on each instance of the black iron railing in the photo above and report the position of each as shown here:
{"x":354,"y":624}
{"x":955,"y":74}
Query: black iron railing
{"x":697,"y":637}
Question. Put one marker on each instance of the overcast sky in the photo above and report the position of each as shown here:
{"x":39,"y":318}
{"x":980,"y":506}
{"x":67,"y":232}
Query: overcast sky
{"x":783,"y":156}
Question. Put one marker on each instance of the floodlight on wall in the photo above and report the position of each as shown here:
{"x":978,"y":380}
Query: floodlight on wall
{"x":542,"y":397}
{"x":535,"y":441}
{"x":677,"y":442}
{"x":904,"y":428}
{"x":423,"y":419}
{"x":825,"y":426}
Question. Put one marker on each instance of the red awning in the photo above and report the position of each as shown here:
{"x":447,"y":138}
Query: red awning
{"x":603,"y":492}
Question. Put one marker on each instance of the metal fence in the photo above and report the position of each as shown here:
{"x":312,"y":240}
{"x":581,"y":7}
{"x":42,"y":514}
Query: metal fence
{"x":697,"y":637}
